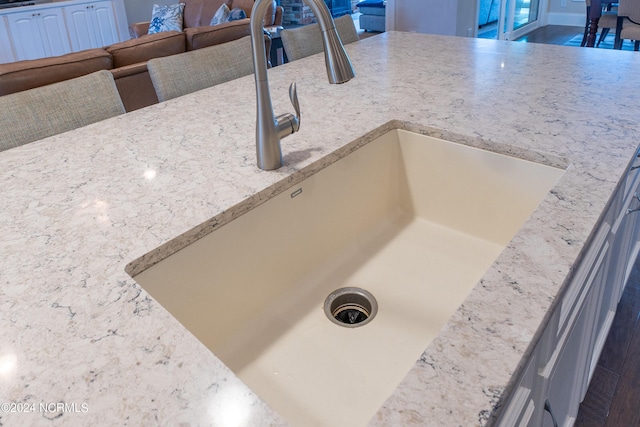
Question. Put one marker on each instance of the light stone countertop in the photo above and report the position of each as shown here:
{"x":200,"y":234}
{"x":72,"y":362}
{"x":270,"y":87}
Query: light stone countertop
{"x":78,"y":208}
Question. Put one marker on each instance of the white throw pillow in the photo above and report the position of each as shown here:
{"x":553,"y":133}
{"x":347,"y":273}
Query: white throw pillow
{"x":221,"y":16}
{"x":166,"y":18}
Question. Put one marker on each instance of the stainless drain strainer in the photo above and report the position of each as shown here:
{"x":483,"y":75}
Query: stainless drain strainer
{"x":350,"y":307}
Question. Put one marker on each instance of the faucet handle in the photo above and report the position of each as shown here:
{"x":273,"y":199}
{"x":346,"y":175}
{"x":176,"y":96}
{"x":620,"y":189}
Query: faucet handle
{"x":293,"y":96}
{"x":288,"y":123}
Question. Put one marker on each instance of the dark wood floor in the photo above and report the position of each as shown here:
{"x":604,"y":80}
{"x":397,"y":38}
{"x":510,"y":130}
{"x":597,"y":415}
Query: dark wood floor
{"x":552,"y":34}
{"x":613,"y":398}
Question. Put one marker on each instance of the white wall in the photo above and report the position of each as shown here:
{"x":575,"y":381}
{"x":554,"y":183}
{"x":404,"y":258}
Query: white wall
{"x":451,"y":17}
{"x":566,"y":12}
{"x":121,"y":20}
{"x":140,"y":10}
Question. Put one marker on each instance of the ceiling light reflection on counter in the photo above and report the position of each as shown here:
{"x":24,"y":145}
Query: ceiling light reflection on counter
{"x":8,"y":364}
{"x":150,"y":174}
{"x":232,"y":407}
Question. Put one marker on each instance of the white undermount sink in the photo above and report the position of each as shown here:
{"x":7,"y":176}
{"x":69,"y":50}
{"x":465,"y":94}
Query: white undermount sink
{"x":412,"y":219}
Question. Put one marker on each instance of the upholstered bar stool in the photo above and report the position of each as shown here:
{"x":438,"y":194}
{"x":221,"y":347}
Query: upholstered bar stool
{"x":628,"y":23}
{"x":178,"y":75}
{"x":44,"y":111}
{"x":305,"y":41}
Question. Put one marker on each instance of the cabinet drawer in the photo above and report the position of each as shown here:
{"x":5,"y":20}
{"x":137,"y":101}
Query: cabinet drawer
{"x":565,"y":373}
{"x":588,"y":276}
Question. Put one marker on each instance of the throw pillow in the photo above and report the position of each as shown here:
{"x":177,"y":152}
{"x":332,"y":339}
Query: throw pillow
{"x":166,"y":18}
{"x":236,"y":14}
{"x":221,"y":16}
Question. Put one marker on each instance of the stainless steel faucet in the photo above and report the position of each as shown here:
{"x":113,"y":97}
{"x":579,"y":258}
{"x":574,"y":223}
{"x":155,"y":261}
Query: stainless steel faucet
{"x":269,"y":128}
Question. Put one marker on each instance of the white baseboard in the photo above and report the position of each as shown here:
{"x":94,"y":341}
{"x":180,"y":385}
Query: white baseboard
{"x":571,"y":19}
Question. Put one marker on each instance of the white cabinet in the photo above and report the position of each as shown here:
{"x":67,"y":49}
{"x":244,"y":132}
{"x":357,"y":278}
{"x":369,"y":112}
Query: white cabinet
{"x":560,"y":367}
{"x":91,"y":25}
{"x":564,"y":381}
{"x":524,"y":407}
{"x":565,"y":357}
{"x":52,"y":29}
{"x":25,"y":33}
{"x":6,"y":53}
{"x":38,"y":33}
{"x":625,"y":229}
{"x":565,"y":377}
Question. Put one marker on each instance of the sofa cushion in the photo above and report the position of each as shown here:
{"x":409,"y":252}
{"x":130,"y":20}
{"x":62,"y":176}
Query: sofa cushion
{"x":199,"y":37}
{"x":166,"y":18}
{"x":28,"y":74}
{"x":146,"y":47}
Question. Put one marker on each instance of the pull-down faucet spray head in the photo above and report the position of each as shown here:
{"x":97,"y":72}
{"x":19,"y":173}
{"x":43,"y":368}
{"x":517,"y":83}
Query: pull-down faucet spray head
{"x":339,"y":68}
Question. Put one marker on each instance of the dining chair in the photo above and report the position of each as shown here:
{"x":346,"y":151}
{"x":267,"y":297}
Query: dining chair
{"x":304,"y":41}
{"x":628,"y":23}
{"x":177,"y":75}
{"x":608,"y":20}
{"x":44,"y":111}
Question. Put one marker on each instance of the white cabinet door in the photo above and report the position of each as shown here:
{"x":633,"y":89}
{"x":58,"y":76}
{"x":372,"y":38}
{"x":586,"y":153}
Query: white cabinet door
{"x":91,"y":25}
{"x":6,"y":53}
{"x":80,"y":27}
{"x":625,"y":231}
{"x":568,"y":371}
{"x":564,"y":383}
{"x":601,"y":312}
{"x":39,"y":33}
{"x":105,"y":30}
{"x":26,"y":35}
{"x":524,"y":407}
{"x":54,"y":32}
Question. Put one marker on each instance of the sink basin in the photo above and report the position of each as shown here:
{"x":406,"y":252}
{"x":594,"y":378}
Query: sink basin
{"x":414,"y":220}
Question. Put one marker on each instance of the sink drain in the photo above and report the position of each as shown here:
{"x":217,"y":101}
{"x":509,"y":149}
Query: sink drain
{"x":350,"y":307}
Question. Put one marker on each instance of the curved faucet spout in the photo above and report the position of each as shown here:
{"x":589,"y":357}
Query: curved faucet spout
{"x":269,"y":128}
